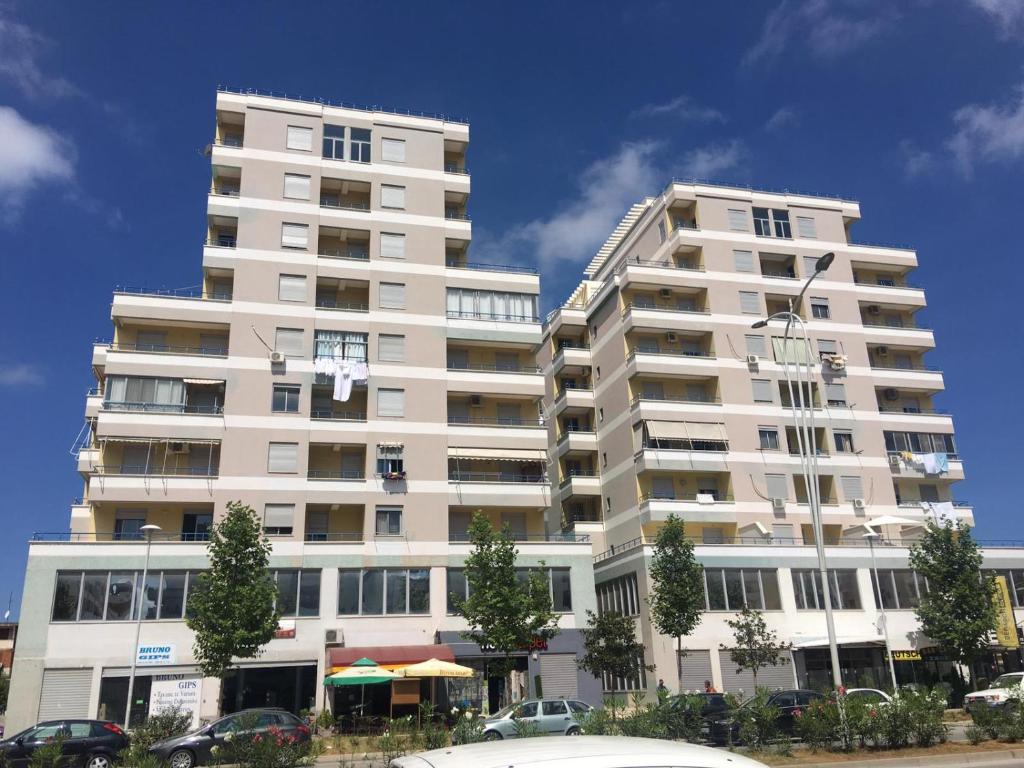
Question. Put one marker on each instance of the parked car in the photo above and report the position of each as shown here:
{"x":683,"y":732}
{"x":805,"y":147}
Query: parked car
{"x":868,"y":696}
{"x":193,"y":748}
{"x":86,"y":743}
{"x":581,"y":752}
{"x":1005,"y":691}
{"x":787,"y":702}
{"x":715,"y":707}
{"x":550,"y":715}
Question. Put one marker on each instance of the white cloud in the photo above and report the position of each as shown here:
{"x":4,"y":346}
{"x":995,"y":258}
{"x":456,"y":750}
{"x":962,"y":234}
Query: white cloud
{"x":30,"y":155}
{"x":20,"y":49}
{"x":20,"y":375}
{"x":916,"y":161}
{"x":683,"y":108}
{"x":829,"y":28}
{"x":706,"y":162}
{"x":781,"y":119}
{"x":1008,"y":14}
{"x":988,"y":133}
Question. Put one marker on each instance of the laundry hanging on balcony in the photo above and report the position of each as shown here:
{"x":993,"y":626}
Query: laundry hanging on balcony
{"x":345,"y":373}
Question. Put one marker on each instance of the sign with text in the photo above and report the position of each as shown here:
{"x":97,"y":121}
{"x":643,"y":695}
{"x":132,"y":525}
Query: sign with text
{"x":176,"y":691}
{"x":1006,"y":625}
{"x":154,"y":655}
{"x":285,"y":629}
{"x":906,"y":656}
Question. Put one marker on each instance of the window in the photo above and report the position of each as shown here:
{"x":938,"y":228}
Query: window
{"x":112,"y":596}
{"x":661,"y":233}
{"x":900,"y":589}
{"x":790,"y":350}
{"x":286,"y":398}
{"x":378,"y":591}
{"x":294,"y":235}
{"x":750,"y":303}
{"x":843,"y":440}
{"x":136,"y":392}
{"x":390,"y":348}
{"x":391,"y":402}
{"x":768,"y":438}
{"x":334,"y":142}
{"x":807,"y":588}
{"x":288,"y":341}
{"x":128,"y":523}
{"x":772,"y":222}
{"x":819,"y":308}
{"x":559,"y":583}
{"x":777,"y":486}
{"x":810,"y":264}
{"x":392,"y":150}
{"x":283,"y":458}
{"x":827,"y":347}
{"x":561,"y":590}
{"x":392,"y":245}
{"x":853,"y":487}
{"x":300,"y":138}
{"x":390,"y":459}
{"x":340,"y":345}
{"x":805,"y":227}
{"x":391,"y":295}
{"x":738,"y":220}
{"x":919,"y":442}
{"x":762,"y":391}
{"x":620,"y":595}
{"x":392,"y":196}
{"x":730,"y":589}
{"x":278,"y":519}
{"x":476,"y":304}
{"x":359,"y":145}
{"x":291,"y":288}
{"x":835,"y":394}
{"x":389,"y":521}
{"x":296,"y":186}
{"x":298,"y":592}
{"x":743,"y":261}
{"x":756,"y":345}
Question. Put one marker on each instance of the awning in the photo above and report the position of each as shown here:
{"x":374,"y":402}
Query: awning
{"x":388,"y":655}
{"x":154,"y":440}
{"x":501,"y":454}
{"x":203,"y":381}
{"x":391,"y":444}
{"x":686,"y":430}
{"x":822,"y":642}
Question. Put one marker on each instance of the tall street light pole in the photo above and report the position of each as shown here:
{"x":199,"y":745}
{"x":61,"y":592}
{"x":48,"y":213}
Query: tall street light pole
{"x":803,"y":418}
{"x":871,"y":536}
{"x":138,"y":599}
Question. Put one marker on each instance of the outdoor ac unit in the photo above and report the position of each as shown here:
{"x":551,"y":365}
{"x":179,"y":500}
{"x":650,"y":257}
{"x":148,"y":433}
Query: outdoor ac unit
{"x":859,"y":504}
{"x":778,"y":503}
{"x":665,"y":293}
{"x":894,"y":459}
{"x":891,"y":394}
{"x":334,"y":637}
{"x":177,"y":447}
{"x":752,"y":359}
{"x":874,"y":309}
{"x":882,"y":351}
{"x":277,"y":357}
{"x":671,"y":337}
{"x":475,"y":401}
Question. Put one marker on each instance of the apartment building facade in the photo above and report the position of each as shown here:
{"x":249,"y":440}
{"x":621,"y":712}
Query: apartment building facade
{"x":347,"y":371}
{"x":662,"y":399}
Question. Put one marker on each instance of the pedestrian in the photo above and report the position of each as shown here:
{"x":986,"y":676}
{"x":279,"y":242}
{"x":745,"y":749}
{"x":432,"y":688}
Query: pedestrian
{"x":661,"y":686}
{"x":708,"y":687}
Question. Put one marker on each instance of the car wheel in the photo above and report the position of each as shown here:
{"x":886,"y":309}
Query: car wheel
{"x":492,"y":736}
{"x":182,"y":758}
{"x":98,"y":760}
{"x":573,"y":731}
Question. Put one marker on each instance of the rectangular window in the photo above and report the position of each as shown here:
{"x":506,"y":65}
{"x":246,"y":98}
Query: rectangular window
{"x":835,"y":394}
{"x":772,"y":223}
{"x":853,"y":487}
{"x":756,"y":345}
{"x":391,"y":295}
{"x":288,"y":341}
{"x":291,"y":288}
{"x":768,"y":437}
{"x":661,"y":232}
{"x":732,"y":589}
{"x":391,"y":348}
{"x":807,"y":588}
{"x":294,"y":235}
{"x":379,"y":591}
{"x":777,"y":486}
{"x":743,"y":261}
{"x":389,"y":521}
{"x":805,"y":227}
{"x":112,"y":596}
{"x":392,"y":245}
{"x":283,"y":458}
{"x":296,"y":186}
{"x":286,"y":398}
{"x":391,"y":402}
{"x":819,"y":308}
{"x":561,"y":590}
{"x":390,"y":459}
{"x":341,"y":345}
{"x":392,"y":196}
{"x":348,"y":592}
{"x":790,"y":350}
{"x":828,"y":347}
{"x":843,"y":440}
{"x":476,"y":304}
{"x":392,"y":150}
{"x":300,"y":138}
{"x":762,"y":390}
{"x":457,"y":589}
{"x":359,"y":145}
{"x":750,"y":302}
{"x":738,"y":220}
{"x":334,"y":142}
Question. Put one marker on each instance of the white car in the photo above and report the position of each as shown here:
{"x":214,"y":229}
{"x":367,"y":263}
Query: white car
{"x":868,"y":696}
{"x":578,"y":752}
{"x":1005,"y":689}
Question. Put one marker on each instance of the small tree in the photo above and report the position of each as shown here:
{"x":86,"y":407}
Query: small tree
{"x":755,"y":646}
{"x":610,"y":648}
{"x":957,"y":612}
{"x":677,"y":594}
{"x":5,"y":685}
{"x":505,"y":614}
{"x":232,"y":606}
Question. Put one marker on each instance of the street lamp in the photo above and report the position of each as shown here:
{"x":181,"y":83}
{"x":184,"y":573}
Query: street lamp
{"x":149,"y":530}
{"x":803,"y":418}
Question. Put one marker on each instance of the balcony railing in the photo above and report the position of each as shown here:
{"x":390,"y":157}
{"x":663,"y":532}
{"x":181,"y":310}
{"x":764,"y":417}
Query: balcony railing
{"x":342,"y":306}
{"x":593,"y":516}
{"x":566,"y":537}
{"x":326,"y":414}
{"x":912,"y":411}
{"x":905,"y":325}
{"x":912,"y":367}
{"x":199,"y":410}
{"x":326,"y":202}
{"x":493,"y":368}
{"x":570,"y":344}
{"x":574,"y":473}
{"x":503,"y":317}
{"x":675,"y":399}
{"x":132,"y":537}
{"x":224,"y":191}
{"x":715,"y":497}
{"x":353,"y":253}
{"x":336,"y":474}
{"x":355,"y":537}
{"x":222,"y":241}
{"x":564,"y":392}
{"x":456,"y":168}
{"x":656,"y":307}
{"x":699,"y":446}
{"x":168,"y":349}
{"x":193,"y":292}
{"x":516,"y":268}
{"x":460,"y":476}
{"x":456,"y":216}
{"x":659,"y":264}
{"x":779,"y":274}
{"x":887,"y":284}
{"x":494,"y":421}
{"x":229,"y":140}
{"x":154,"y":470}
{"x":667,"y":353}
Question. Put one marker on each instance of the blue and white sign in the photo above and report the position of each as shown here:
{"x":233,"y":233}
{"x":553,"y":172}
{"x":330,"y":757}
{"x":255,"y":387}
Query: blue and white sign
{"x":176,"y":692}
{"x":155,"y":655}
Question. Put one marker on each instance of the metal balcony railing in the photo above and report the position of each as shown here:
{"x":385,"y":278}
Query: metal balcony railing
{"x":886,"y":283}
{"x":328,"y":414}
{"x":482,"y":267}
{"x":503,"y":317}
{"x":691,"y":497}
{"x":456,"y":216}
{"x":327,"y":202}
{"x":353,"y":253}
{"x":575,"y":473}
{"x":154,"y":470}
{"x":905,"y":325}
{"x":567,"y":537}
{"x":912,"y":411}
{"x":336,"y":474}
{"x":168,"y":349}
{"x":355,"y":537}
{"x":342,"y":306}
{"x":127,"y":537}
{"x":191,"y":292}
{"x":675,"y":399}
{"x":225,"y":191}
{"x":668,"y":353}
{"x":456,"y":168}
{"x":654,"y":306}
{"x":200,"y":410}
{"x":230,"y":140}
{"x":494,"y":421}
{"x":461,"y":476}
{"x":222,"y":241}
{"x":570,"y":344}
{"x":912,"y":367}
{"x":492,"y":367}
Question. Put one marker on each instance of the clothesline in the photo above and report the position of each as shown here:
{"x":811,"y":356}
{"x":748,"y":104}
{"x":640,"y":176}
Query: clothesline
{"x":345,"y":373}
{"x":929,"y":463}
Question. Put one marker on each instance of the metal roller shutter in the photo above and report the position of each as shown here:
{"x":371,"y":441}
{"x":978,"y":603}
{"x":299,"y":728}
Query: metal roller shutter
{"x":769,"y":677}
{"x":694,"y":669}
{"x":65,"y":694}
{"x":558,"y":675}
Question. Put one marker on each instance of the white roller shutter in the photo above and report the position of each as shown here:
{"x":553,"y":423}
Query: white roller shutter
{"x":294,"y":235}
{"x":756,"y":345}
{"x":737,"y":220}
{"x":392,"y":196}
{"x":288,"y":341}
{"x":392,"y":295}
{"x":776,"y":486}
{"x":392,"y":246}
{"x":300,"y":138}
{"x":772,"y":678}
{"x":291,"y":288}
{"x":762,"y":391}
{"x":391,"y":402}
{"x":743,"y":261}
{"x":296,"y":186}
{"x":283,"y":457}
{"x":835,"y":393}
{"x":694,"y":669}
{"x":278,"y":515}
{"x":853,"y":487}
{"x":750,"y":303}
{"x":391,"y":348}
{"x":828,"y":347}
{"x":558,"y":675}
{"x":805,"y":227}
{"x":65,"y":694}
{"x":392,"y":150}
{"x":810,"y":262}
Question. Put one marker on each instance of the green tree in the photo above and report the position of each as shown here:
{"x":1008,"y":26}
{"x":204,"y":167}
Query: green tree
{"x":505,"y":613}
{"x":677,"y":594}
{"x":232,"y":608}
{"x":5,"y":686}
{"x":754,"y":645}
{"x":610,"y":646}
{"x":957,"y":612}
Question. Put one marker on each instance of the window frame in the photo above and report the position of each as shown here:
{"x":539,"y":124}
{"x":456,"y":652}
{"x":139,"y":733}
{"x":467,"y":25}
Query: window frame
{"x":289,"y":390}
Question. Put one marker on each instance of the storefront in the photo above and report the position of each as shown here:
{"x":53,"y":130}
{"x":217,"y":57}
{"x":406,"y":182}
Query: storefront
{"x":289,"y":686}
{"x":153,"y":691}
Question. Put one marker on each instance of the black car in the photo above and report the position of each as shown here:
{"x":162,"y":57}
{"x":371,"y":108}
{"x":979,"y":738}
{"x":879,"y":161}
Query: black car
{"x":86,"y":743}
{"x":714,"y":706}
{"x":787,"y":702}
{"x":194,"y":748}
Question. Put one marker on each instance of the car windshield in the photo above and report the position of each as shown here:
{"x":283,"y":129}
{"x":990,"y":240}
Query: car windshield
{"x":506,"y":711}
{"x":1008,"y":681}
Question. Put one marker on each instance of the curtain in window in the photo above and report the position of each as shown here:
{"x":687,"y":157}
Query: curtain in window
{"x":341,"y":345}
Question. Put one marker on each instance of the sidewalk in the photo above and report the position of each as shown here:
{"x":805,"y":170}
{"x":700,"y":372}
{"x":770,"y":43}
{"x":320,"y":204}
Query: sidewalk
{"x":993,"y":757}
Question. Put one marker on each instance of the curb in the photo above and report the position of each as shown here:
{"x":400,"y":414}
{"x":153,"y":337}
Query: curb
{"x":964,"y":758}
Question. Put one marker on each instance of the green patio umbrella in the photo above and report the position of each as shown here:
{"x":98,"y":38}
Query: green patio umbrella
{"x":361,"y":675}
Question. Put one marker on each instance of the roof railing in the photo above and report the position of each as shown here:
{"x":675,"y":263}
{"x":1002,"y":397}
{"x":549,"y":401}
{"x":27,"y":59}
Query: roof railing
{"x":341,"y":104}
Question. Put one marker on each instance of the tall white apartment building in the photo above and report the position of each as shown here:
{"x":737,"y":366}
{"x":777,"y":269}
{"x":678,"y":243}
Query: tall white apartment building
{"x":338,"y":245}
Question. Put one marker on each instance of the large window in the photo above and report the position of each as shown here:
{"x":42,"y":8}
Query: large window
{"x":730,"y":589}
{"x":559,"y":581}
{"x":900,"y":589}
{"x":1014,"y":583}
{"x":492,"y":305}
{"x":842,"y":583}
{"x":379,"y":591}
{"x":340,"y":345}
{"x":359,"y":145}
{"x":772,"y":222}
{"x":919,"y":442}
{"x":298,"y":592}
{"x":619,"y":595}
{"x":114,"y":595}
{"x":334,"y":142}
{"x":130,"y":393}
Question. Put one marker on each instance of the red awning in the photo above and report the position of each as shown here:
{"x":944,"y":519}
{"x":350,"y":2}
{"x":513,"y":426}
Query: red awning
{"x":390,"y":654}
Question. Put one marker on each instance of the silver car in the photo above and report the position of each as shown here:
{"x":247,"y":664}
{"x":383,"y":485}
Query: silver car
{"x":549,"y":715}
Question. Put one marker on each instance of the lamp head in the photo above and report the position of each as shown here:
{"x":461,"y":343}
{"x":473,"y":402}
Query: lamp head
{"x":150,"y":529}
{"x":760,"y":324}
{"x":824,"y":262}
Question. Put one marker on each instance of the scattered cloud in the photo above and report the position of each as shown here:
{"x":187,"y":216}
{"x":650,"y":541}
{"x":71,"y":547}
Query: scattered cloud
{"x":989,"y":133}
{"x":916,"y":161}
{"x":30,"y":156}
{"x":20,"y":51}
{"x":709,"y":161}
{"x":1007,"y":14}
{"x":783,"y":118}
{"x":682,"y":108}
{"x":829,"y":28}
{"x":20,"y":375}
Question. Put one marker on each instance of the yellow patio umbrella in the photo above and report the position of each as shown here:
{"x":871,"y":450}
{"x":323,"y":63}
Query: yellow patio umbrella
{"x":437,"y":668}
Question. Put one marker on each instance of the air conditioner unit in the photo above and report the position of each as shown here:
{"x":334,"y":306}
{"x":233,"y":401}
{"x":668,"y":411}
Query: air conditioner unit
{"x":891,"y":394}
{"x":671,"y":337}
{"x":665,"y":293}
{"x":894,"y":459}
{"x":177,"y":447}
{"x":778,"y":503}
{"x":475,"y":401}
{"x":874,"y":309}
{"x":334,"y":637}
{"x":882,"y":351}
{"x":753,"y":359}
{"x":276,"y":357}
{"x":859,"y":504}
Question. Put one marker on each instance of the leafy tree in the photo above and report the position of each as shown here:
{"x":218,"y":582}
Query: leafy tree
{"x":677,"y":595}
{"x":755,"y":646}
{"x":505,"y":614}
{"x":232,"y":607}
{"x":610,"y":646}
{"x":5,"y":686}
{"x":957,"y":612}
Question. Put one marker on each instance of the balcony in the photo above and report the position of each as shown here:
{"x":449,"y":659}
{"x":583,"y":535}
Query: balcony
{"x":336,"y":461}
{"x":345,"y":195}
{"x":137,"y":394}
{"x":523,"y":524}
{"x":230,"y":131}
{"x":324,"y":408}
{"x":490,"y":360}
{"x":778,"y":266}
{"x":156,"y":457}
{"x":580,"y":482}
{"x":180,"y":523}
{"x":455,"y":158}
{"x":682,"y":445}
{"x":192,"y":342}
{"x":222,"y":231}
{"x":485,"y":481}
{"x":226,"y":181}
{"x":455,"y":262}
{"x":670,"y":393}
{"x":343,"y":243}
{"x":342,"y":295}
{"x":505,"y":412}
{"x":334,"y":523}
{"x":580,"y":510}
{"x":456,"y":206}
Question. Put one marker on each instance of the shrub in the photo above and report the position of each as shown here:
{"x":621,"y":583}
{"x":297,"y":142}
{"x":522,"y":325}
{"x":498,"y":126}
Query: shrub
{"x":50,"y":755}
{"x":925,"y":711}
{"x":325,"y":721}
{"x":526,"y":729}
{"x":271,"y":748}
{"x":166,"y":724}
{"x":758,"y":722}
{"x":5,"y":686}
{"x":468,"y":727}
{"x":597,"y":722}
{"x":686,"y":719}
{"x":976,"y":734}
{"x":817,"y":725}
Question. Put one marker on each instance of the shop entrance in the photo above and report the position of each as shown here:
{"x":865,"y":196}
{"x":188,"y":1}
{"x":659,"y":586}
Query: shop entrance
{"x":292,"y":688}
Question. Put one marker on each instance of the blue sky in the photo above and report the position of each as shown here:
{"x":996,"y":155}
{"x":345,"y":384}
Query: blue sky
{"x":577,"y":109}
